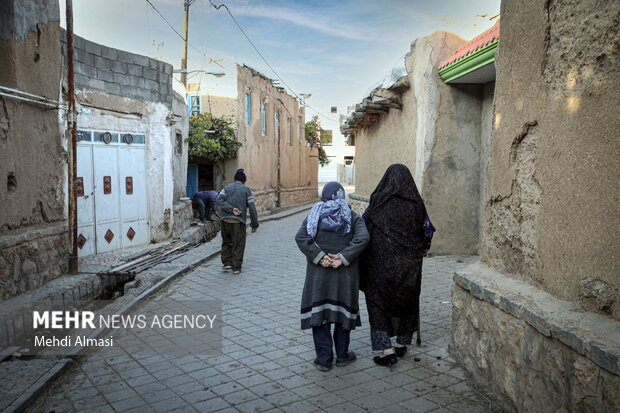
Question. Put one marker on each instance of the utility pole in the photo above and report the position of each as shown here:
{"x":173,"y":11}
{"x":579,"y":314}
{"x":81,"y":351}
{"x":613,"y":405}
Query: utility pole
{"x":186,"y":5}
{"x":71,"y":144}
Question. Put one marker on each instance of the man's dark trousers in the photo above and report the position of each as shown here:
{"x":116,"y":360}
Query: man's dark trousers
{"x":205,"y":213}
{"x":233,"y":244}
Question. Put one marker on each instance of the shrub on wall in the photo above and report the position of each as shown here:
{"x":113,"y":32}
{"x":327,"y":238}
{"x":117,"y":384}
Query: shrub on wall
{"x":212,"y":137}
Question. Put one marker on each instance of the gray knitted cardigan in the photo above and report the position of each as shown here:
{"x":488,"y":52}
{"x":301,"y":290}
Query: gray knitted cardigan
{"x":331,"y":295}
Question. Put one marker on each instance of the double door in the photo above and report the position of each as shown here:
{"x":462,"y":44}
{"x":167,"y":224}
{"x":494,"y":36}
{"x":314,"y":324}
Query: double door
{"x":112,"y":197}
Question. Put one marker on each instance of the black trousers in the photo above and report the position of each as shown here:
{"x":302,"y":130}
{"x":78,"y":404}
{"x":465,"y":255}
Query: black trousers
{"x":233,"y":244}
{"x":323,"y":343}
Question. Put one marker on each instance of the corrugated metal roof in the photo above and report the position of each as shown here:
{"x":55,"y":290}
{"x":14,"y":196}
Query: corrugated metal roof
{"x":474,"y":44}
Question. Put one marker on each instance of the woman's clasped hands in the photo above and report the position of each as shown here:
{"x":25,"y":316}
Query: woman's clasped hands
{"x":331,"y":260}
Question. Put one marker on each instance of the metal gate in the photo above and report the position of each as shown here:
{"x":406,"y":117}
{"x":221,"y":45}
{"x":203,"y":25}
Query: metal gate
{"x":111,"y":191}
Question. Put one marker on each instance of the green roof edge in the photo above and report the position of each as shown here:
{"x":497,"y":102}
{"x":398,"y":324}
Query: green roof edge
{"x":467,"y":64}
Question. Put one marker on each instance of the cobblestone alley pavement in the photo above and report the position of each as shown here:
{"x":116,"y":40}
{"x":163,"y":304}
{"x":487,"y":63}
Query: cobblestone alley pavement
{"x":267,"y":361}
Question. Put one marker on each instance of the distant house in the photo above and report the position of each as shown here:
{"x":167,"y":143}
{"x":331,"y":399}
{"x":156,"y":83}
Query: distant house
{"x":281,"y":168}
{"x":341,"y":160}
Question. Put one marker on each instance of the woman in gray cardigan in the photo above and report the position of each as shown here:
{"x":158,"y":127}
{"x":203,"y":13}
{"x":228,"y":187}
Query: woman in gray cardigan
{"x":331,"y":237}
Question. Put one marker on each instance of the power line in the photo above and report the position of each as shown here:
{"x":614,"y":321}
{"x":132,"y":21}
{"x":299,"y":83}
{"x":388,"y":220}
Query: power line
{"x":265,"y":60}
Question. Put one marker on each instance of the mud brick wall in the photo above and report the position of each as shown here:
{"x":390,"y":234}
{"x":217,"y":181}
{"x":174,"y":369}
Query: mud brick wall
{"x":553,"y":182}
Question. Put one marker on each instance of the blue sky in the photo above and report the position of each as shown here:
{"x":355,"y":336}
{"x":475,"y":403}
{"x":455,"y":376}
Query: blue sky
{"x":334,"y":50}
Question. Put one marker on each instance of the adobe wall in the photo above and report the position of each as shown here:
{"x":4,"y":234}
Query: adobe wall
{"x":439,"y":135}
{"x":219,"y":106}
{"x":536,"y":321}
{"x":553,"y":185}
{"x":258,"y":155}
{"x":33,"y":230}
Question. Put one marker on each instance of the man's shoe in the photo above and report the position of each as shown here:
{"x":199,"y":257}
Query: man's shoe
{"x":237,"y":272}
{"x":227,"y":267}
{"x":343,"y":362}
{"x":400,"y":351}
{"x":321,"y":367}
{"x":386,"y":361}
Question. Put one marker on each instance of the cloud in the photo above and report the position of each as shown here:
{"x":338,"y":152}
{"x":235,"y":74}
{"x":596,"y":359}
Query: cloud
{"x":317,"y":23}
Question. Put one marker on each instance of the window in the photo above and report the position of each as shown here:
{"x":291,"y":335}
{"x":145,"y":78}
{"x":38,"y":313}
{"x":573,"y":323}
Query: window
{"x":248,"y":108}
{"x":179,"y":144}
{"x":263,"y":117}
{"x":276,"y":124}
{"x":195,"y":107}
{"x":289,"y":122}
{"x":299,"y":128}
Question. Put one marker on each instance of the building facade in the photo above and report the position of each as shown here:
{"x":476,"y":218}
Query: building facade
{"x":131,"y":152}
{"x":537,"y":320}
{"x":341,"y":166}
{"x":282,"y":170}
{"x":439,"y":130}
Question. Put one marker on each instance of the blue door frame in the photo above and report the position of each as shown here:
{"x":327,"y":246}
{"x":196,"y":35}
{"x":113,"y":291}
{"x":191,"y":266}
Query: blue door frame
{"x":192,"y":180}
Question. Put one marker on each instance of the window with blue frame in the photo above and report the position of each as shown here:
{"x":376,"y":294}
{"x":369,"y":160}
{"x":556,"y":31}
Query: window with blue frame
{"x":194,"y":105}
{"x":248,"y":108}
{"x":263,"y":117}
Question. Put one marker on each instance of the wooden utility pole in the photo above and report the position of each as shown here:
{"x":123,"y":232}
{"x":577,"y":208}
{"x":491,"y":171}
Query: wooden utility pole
{"x":186,"y":5}
{"x":72,"y":144}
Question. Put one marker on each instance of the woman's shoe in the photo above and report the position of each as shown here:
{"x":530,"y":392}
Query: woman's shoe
{"x":343,"y":362}
{"x":400,"y":351}
{"x":387,"y":361}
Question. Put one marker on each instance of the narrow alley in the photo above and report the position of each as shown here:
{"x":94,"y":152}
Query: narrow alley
{"x":267,"y":360}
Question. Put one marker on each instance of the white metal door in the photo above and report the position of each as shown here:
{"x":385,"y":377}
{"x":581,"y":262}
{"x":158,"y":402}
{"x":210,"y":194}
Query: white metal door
{"x":134,"y":208}
{"x":112,"y":195}
{"x":107,"y":198}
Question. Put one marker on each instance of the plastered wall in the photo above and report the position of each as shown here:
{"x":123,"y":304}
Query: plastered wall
{"x":259,"y":153}
{"x":553,"y":184}
{"x":32,"y":159}
{"x":440,"y":135}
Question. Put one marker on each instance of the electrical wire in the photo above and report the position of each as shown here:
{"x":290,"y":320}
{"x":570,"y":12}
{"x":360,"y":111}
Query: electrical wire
{"x":266,"y":62}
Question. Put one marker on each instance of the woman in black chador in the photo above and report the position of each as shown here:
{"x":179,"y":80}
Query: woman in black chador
{"x":391,"y":265}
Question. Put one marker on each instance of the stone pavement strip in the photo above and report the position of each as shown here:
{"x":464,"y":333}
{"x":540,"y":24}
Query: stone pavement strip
{"x":266,"y":363}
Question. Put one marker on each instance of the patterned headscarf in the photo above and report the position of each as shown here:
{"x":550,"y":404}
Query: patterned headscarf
{"x":333,"y":214}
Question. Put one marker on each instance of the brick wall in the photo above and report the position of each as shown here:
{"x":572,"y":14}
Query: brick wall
{"x":119,"y":72}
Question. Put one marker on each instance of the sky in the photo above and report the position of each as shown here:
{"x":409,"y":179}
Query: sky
{"x":333,"y":49}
